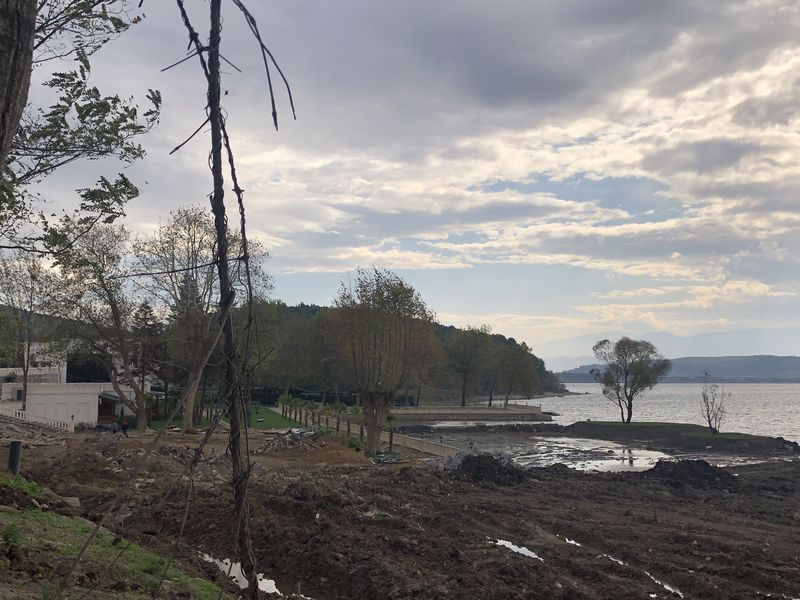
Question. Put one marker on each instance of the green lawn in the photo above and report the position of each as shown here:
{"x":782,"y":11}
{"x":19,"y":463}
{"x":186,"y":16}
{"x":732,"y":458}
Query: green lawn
{"x":269,"y":419}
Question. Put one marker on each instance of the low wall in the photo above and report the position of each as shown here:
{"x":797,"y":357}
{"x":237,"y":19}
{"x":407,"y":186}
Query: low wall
{"x":354,"y":428}
{"x":417,"y":416}
{"x":425,"y":446}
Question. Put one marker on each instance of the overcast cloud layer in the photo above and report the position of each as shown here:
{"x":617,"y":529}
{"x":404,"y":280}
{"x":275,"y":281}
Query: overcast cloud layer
{"x":552,"y":168}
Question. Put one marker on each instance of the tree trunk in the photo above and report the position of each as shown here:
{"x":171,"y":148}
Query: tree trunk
{"x":376,"y":409}
{"x":233,"y":393}
{"x":491,"y":390}
{"x":419,"y":393}
{"x":188,"y":407}
{"x":629,"y":409}
{"x":464,"y":391}
{"x":17,"y":26}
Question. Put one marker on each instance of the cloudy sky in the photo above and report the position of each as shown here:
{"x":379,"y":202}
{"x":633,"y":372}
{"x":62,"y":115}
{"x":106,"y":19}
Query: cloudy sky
{"x":551,"y":168}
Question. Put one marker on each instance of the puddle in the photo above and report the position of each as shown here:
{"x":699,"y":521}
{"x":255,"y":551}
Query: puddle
{"x":518,"y":549}
{"x":586,"y":454}
{"x":612,"y":559}
{"x":666,"y":586}
{"x":234,"y":571}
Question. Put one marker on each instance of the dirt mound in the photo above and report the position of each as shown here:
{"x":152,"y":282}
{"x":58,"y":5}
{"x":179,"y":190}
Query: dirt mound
{"x":696,"y":473}
{"x":487,"y":468}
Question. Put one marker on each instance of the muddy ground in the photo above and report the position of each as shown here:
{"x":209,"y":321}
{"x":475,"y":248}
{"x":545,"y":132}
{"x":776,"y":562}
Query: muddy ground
{"x":331,"y":524}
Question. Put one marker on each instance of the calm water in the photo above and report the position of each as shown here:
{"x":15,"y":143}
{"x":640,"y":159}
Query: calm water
{"x":759,"y":408}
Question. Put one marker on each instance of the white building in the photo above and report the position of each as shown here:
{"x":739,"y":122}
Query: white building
{"x":49,"y":394}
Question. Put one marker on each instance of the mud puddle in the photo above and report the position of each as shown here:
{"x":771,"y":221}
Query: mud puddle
{"x":235,"y":573}
{"x":577,"y":453}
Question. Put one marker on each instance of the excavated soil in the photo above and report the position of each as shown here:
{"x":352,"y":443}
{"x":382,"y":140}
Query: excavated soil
{"x":328,"y":523}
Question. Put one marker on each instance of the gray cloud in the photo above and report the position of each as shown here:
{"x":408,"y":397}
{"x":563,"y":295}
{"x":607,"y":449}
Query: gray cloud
{"x":706,"y":156}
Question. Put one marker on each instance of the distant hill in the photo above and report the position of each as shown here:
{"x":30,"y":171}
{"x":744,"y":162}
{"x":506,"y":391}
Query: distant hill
{"x":733,"y":369}
{"x":561,"y":355}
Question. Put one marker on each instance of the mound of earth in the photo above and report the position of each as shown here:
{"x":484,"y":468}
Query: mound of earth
{"x":696,"y":473}
{"x":487,"y":468}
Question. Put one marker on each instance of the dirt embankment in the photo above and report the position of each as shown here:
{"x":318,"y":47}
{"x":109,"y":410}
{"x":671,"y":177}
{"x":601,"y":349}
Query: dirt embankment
{"x":423,"y":532}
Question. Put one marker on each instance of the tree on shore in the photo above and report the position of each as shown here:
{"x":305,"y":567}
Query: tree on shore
{"x":466,"y":349}
{"x":631,"y":367}
{"x":713,"y":398}
{"x":382,"y":322}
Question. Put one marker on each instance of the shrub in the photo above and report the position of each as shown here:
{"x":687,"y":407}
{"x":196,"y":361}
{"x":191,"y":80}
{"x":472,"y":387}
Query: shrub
{"x":355,"y":443}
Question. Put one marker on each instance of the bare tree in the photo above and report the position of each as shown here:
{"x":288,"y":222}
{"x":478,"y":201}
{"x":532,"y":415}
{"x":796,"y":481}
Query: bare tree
{"x":713,"y":398}
{"x":383,"y":323}
{"x":25,"y":289}
{"x":94,"y":296}
{"x":631,"y":368}
{"x":181,"y":255}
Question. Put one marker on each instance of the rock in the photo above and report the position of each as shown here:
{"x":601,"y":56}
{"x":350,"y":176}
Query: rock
{"x":71,"y":501}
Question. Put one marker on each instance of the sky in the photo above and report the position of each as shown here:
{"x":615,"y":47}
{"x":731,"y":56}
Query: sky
{"x":551,"y":168}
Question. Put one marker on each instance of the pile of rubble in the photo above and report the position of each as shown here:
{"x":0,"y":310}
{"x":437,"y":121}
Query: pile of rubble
{"x":294,"y":439}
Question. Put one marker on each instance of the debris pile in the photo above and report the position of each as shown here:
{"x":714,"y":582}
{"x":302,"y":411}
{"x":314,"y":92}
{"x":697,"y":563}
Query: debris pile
{"x":489,"y":468}
{"x":292,"y":439}
{"x":697,"y":473}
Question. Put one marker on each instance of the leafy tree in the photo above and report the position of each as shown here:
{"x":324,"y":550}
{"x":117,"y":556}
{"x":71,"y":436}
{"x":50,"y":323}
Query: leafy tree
{"x":631,"y":368}
{"x":466,"y":351}
{"x":382,"y":320}
{"x":148,"y":335}
{"x":83,"y":124}
{"x":26,"y":287}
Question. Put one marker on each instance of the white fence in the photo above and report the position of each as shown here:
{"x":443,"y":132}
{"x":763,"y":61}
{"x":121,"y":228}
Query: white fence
{"x":21,"y":415}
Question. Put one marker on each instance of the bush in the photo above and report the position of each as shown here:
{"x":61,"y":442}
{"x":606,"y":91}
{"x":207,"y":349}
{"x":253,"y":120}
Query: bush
{"x":355,"y":443}
{"x":12,"y":535}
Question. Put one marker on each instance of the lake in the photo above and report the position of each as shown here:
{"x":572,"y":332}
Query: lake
{"x":771,"y":409}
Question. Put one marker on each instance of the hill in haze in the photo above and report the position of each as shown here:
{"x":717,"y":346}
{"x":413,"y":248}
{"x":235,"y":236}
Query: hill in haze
{"x":761,"y":368}
{"x":562,"y":355}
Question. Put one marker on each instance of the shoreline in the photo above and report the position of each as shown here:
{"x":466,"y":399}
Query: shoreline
{"x":675,"y":438}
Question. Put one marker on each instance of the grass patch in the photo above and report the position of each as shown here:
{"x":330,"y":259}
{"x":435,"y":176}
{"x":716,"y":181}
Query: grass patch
{"x":725,"y":436}
{"x":20,"y":484}
{"x":49,"y":538}
{"x":270,"y":419}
